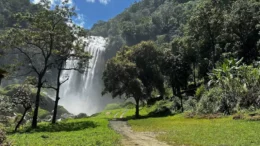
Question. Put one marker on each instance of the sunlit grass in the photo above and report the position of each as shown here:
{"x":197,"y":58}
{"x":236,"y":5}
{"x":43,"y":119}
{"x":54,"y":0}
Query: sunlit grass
{"x":177,"y":130}
{"x":81,"y":132}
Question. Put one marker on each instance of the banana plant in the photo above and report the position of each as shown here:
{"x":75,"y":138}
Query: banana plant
{"x":228,"y":77}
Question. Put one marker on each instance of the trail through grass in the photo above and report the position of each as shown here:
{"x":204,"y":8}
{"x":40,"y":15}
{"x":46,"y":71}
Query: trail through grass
{"x":178,"y":130}
{"x":175,"y":130}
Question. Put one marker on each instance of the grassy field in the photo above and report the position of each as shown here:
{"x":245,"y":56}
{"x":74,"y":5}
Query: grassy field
{"x":81,"y":132}
{"x":175,"y":130}
{"x":178,"y":130}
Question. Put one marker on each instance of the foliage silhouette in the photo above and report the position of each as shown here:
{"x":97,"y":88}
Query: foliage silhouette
{"x":62,"y":126}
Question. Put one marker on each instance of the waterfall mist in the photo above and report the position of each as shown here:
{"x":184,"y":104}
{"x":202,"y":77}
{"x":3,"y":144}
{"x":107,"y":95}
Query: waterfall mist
{"x":82,"y":92}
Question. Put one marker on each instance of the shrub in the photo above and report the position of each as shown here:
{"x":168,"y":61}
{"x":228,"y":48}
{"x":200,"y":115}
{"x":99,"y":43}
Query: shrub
{"x":2,"y":137}
{"x":211,"y":101}
{"x":200,"y":91}
{"x":161,"y":108}
{"x":3,"y":141}
{"x":176,"y":103}
{"x":43,"y":113}
{"x":113,"y":106}
{"x":238,"y":88}
{"x":128,"y":105}
{"x":190,"y":104}
{"x":81,"y":115}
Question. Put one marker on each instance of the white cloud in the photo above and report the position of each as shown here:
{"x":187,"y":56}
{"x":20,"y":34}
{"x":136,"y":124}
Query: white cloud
{"x":91,"y":1}
{"x":79,"y":20}
{"x":54,"y":2}
{"x":105,"y":2}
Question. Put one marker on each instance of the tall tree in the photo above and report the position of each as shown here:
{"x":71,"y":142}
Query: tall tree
{"x":42,"y":36}
{"x":134,"y":72}
{"x":72,"y":50}
{"x":204,"y":27}
{"x":241,"y":35}
{"x":176,"y":67}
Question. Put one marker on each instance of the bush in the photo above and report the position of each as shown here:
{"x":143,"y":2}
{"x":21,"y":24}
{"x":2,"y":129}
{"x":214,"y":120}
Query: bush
{"x":235,"y":87}
{"x":176,"y":103}
{"x":128,"y":104}
{"x":2,"y":137}
{"x":113,"y":106}
{"x":200,"y":91}
{"x":43,"y":113}
{"x":161,"y":108}
{"x":211,"y":101}
{"x":81,"y":115}
{"x":3,"y":141}
{"x":190,"y":104}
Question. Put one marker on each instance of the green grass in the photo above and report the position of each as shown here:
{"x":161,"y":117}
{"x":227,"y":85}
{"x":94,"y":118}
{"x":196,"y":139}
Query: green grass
{"x":87,"y":132}
{"x":175,"y":130}
{"x":178,"y":130}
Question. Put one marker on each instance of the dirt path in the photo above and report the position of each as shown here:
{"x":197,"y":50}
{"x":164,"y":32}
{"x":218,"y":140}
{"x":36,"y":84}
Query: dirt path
{"x":132,"y":138}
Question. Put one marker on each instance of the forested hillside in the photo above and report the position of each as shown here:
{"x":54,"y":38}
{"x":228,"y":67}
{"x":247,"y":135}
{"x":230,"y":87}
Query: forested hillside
{"x":187,"y":73}
{"x":10,"y":7}
{"x":158,"y":20}
{"x":207,"y":47}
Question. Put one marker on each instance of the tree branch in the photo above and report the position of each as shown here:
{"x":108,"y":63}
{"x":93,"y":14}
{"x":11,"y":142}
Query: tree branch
{"x":30,"y":60}
{"x":64,"y":81}
{"x":42,"y":50}
{"x":50,"y":87}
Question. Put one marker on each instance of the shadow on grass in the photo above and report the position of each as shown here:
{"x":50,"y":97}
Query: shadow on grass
{"x":158,"y":113}
{"x":59,"y":127}
{"x":144,"y":117}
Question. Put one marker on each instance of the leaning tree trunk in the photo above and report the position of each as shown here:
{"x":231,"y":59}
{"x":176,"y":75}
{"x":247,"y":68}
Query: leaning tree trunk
{"x":57,"y":98}
{"x":55,"y":111}
{"x":137,"y":108}
{"x":21,"y":120}
{"x":37,"y":103}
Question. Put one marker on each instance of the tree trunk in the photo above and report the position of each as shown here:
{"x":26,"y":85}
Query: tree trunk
{"x":137,"y":108}
{"x":179,"y":95}
{"x":37,"y":103}
{"x":182,"y":109}
{"x":57,"y":98}
{"x":174,"y":91}
{"x":21,"y":120}
{"x":194,"y":74}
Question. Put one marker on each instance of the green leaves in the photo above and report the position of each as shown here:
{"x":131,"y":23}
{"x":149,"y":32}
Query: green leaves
{"x":134,"y":72}
{"x":239,"y":83}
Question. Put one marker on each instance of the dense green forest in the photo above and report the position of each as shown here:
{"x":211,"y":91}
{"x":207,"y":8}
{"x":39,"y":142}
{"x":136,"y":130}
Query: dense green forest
{"x":204,"y":47}
{"x":184,"y":61}
{"x":158,"y":20}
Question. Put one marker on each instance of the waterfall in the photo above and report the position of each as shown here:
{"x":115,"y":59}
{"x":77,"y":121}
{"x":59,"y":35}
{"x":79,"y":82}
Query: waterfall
{"x":82,"y":92}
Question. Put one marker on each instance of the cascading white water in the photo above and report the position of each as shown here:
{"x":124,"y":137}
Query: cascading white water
{"x":82,"y":92}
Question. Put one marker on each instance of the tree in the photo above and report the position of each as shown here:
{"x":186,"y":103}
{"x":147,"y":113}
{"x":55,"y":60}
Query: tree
{"x":134,"y":72}
{"x":241,"y":35}
{"x":176,"y":68}
{"x":72,"y":50}
{"x":204,"y":27}
{"x":120,"y":78}
{"x":23,"y":98}
{"x":42,"y":36}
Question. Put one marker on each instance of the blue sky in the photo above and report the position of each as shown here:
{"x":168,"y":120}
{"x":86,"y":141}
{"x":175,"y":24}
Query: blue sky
{"x":90,"y":11}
